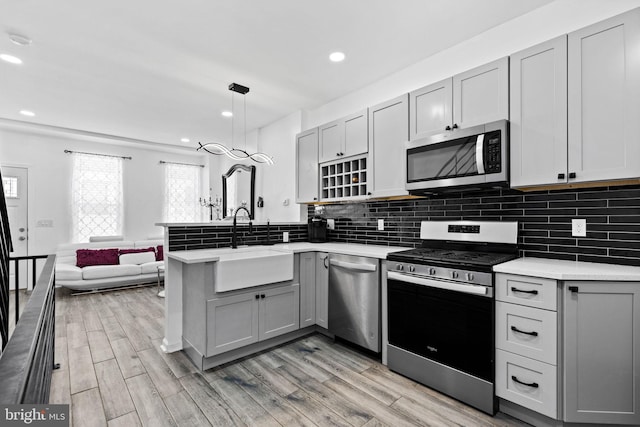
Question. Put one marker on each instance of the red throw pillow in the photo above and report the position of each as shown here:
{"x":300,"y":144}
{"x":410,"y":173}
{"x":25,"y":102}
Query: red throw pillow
{"x":160,"y":253}
{"x":86,"y":257}
{"x":137,"y":250}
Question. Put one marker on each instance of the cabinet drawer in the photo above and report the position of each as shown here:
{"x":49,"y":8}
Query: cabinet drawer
{"x":527,"y":331}
{"x":532,"y":291}
{"x":539,"y":391}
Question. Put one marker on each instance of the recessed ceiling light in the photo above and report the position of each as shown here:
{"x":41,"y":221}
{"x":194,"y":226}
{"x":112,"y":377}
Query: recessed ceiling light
{"x":227,"y":114}
{"x":185,"y":140}
{"x":27,"y":113}
{"x":10,"y":59}
{"x":337,"y":57}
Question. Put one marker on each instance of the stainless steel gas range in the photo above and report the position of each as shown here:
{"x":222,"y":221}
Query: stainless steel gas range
{"x":441,"y":307}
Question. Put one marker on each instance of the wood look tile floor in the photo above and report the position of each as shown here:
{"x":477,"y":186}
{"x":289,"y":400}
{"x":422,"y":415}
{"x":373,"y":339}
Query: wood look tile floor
{"x":113,"y":373}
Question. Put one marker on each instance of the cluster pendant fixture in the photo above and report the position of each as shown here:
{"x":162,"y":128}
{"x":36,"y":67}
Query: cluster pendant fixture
{"x":219,"y":149}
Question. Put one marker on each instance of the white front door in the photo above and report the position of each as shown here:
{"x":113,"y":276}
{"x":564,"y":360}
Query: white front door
{"x":14,"y":181}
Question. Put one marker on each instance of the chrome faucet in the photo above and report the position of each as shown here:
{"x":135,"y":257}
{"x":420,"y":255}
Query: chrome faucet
{"x":234,"y":237}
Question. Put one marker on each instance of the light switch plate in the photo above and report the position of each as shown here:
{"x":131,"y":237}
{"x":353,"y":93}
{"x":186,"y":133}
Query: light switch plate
{"x":381,"y":225}
{"x":331,"y":224}
{"x":579,"y":227}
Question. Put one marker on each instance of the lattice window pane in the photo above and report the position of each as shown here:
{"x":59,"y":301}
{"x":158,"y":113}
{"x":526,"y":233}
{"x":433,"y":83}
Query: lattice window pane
{"x":97,"y":203}
{"x":10,"y":184}
{"x":182,"y":189}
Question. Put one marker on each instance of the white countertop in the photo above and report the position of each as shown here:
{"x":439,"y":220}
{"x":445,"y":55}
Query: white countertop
{"x":568,"y":270}
{"x":211,"y":255}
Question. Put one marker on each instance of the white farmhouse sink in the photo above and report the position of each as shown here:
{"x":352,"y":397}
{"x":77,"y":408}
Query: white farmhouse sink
{"x":244,"y":268}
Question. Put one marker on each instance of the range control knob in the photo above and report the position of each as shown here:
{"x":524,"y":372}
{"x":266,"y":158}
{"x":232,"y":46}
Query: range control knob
{"x":412,"y":268}
{"x":454,"y":274}
{"x":432,"y":271}
{"x":399,"y":267}
{"x":468,"y":276}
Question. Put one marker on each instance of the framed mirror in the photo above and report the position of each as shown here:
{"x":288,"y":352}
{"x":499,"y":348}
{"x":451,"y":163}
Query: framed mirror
{"x":238,"y":187}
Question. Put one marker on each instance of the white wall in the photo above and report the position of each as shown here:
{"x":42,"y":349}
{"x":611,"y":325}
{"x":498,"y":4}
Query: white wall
{"x":50,"y":182}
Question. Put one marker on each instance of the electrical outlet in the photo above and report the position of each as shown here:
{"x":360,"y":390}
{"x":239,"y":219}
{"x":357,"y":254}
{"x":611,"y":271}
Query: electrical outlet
{"x":579,"y":227}
{"x":285,"y":236}
{"x":331,"y":224}
{"x":381,"y":225}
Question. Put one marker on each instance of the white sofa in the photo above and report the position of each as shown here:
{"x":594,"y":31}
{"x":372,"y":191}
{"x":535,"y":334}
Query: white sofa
{"x":105,"y":276}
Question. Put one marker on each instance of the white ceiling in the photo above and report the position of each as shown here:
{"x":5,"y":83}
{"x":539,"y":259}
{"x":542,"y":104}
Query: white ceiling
{"x":159,"y":70}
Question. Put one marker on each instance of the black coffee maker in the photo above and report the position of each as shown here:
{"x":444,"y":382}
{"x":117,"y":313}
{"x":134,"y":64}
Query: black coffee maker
{"x":317,"y":229}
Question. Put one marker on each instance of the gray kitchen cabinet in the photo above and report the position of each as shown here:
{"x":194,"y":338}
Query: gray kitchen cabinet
{"x":430,"y":109}
{"x":232,"y":322}
{"x":322,"y":289}
{"x":388,"y":131}
{"x":527,"y":342}
{"x":475,"y":97}
{"x":279,"y":311}
{"x":602,"y":352}
{"x":539,"y":114}
{"x":307,"y":166}
{"x":344,"y":137}
{"x":575,"y":101}
{"x":238,"y":320}
{"x":481,"y":95}
{"x":604,"y":100}
{"x":307,"y":289}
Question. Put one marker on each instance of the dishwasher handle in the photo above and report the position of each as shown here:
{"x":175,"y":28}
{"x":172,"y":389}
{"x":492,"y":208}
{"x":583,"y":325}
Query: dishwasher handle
{"x":352,"y":265}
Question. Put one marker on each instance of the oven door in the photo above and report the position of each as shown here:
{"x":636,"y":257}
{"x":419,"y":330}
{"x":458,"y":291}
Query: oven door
{"x":452,"y":327}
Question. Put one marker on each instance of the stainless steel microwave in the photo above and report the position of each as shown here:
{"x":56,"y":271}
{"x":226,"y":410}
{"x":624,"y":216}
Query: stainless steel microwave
{"x":473,"y":157}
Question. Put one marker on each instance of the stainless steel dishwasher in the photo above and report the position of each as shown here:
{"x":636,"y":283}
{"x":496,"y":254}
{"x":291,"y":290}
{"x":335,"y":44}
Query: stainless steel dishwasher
{"x":354,"y":300}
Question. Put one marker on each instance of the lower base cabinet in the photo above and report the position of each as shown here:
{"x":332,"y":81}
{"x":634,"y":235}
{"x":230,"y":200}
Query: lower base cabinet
{"x":602,"y":352}
{"x":597,"y":377}
{"x":322,"y":289}
{"x":239,"y":320}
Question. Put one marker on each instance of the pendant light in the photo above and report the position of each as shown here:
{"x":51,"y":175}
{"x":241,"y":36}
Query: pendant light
{"x":233,"y":153}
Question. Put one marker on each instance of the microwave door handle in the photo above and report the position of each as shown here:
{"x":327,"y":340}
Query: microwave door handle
{"x":480,"y":154}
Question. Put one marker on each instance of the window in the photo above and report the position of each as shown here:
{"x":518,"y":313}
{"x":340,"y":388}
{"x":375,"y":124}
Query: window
{"x":10,"y":184}
{"x":96,"y":196}
{"x":181,"y":195}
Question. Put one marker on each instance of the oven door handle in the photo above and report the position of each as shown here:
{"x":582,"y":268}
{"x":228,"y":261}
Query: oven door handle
{"x":468,"y":289}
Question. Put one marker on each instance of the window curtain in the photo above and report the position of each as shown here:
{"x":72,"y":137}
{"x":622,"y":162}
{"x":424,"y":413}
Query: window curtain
{"x":182,"y":192}
{"x":96,"y":196}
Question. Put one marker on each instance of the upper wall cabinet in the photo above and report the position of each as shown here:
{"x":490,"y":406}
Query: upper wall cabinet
{"x":604,"y":99}
{"x":477,"y":96}
{"x":539,"y":114}
{"x":388,"y":132}
{"x":575,"y":104}
{"x":307,"y":166}
{"x":344,"y":137}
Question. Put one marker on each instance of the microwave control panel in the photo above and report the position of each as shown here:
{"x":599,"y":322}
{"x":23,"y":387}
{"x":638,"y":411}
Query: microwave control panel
{"x":492,"y":152}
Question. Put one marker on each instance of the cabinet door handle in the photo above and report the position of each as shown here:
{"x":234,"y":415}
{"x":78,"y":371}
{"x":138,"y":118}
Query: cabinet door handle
{"x":533,"y":292}
{"x":262,"y":296}
{"x":257,"y":296}
{"x":315,"y":198}
{"x":572,"y":175}
{"x":560,"y":176}
{"x":455,"y":126}
{"x":573,"y":288}
{"x":325,"y":261}
{"x":532,"y":385}
{"x":533,"y":334}
{"x":447,"y":128}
